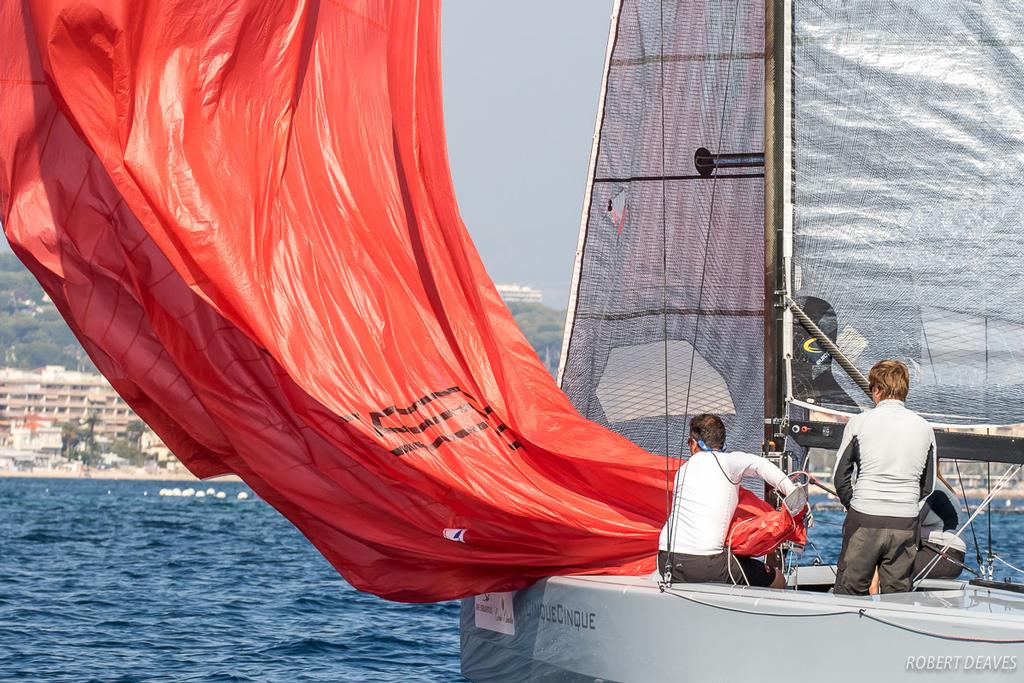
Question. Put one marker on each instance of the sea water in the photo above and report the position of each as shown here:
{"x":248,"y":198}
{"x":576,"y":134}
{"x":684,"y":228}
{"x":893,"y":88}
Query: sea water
{"x":110,"y":581}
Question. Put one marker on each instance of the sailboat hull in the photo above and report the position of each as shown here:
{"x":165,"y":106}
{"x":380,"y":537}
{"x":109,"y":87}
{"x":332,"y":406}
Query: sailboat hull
{"x":625,"y":629}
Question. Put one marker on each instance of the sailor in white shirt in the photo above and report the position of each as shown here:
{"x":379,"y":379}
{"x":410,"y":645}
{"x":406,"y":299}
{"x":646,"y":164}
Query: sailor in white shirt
{"x":885,"y":468}
{"x":706,"y":493}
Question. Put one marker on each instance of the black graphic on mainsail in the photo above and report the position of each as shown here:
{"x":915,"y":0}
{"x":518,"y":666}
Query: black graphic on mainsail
{"x":812,"y":365}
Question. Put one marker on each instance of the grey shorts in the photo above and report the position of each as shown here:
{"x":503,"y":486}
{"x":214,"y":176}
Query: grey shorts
{"x":716,"y":569}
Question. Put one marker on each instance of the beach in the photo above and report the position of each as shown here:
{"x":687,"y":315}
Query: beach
{"x":113,"y":474}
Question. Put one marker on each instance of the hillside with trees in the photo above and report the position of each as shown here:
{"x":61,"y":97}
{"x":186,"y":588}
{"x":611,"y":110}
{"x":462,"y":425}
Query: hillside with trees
{"x":543,"y":328}
{"x":32,"y":332}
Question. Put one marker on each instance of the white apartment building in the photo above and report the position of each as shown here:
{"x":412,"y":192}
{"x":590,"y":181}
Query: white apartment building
{"x":34,"y":434}
{"x":515,"y":293}
{"x":57,"y":395}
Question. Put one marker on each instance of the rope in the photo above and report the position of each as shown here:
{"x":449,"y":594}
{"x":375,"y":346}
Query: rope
{"x":826,"y":343}
{"x":988,"y":482}
{"x":669,"y":485}
{"x":821,"y":560}
{"x":739,"y":610}
{"x":664,"y":257}
{"x":680,"y":482}
{"x":728,"y":551}
{"x":943,"y":636}
{"x":1016,"y":569}
{"x":711,"y":208}
{"x":1005,"y":479}
{"x":861,"y":613}
{"x":967,"y":504}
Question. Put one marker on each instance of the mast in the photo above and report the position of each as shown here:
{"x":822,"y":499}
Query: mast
{"x":777,"y":217}
{"x":777,"y":236}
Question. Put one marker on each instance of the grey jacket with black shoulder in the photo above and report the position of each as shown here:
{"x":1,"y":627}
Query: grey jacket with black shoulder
{"x":886,"y":462}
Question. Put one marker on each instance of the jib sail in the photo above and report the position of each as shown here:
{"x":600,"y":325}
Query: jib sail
{"x":666,"y":316}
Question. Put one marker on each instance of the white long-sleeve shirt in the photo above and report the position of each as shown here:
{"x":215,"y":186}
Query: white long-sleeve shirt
{"x":886,"y":462}
{"x":706,"y":493}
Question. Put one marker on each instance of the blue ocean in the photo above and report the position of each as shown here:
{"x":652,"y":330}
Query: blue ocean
{"x":108,"y":581}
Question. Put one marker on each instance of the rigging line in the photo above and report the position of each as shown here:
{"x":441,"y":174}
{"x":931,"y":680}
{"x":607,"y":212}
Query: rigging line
{"x":821,"y":559}
{"x":1016,"y":569}
{"x":755,"y":613}
{"x":576,"y":293}
{"x":942,"y":555}
{"x":669,"y":487}
{"x":988,"y":483}
{"x":863,"y":613}
{"x":711,"y":209}
{"x":943,"y":636}
{"x":928,"y":348}
{"x":830,"y":346}
{"x":967,"y":504}
{"x":1005,"y":479}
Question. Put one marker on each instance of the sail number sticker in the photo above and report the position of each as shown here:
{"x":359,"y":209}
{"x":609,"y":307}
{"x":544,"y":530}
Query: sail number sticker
{"x":494,"y":612}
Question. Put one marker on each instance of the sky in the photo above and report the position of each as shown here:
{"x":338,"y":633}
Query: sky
{"x":521,"y":87}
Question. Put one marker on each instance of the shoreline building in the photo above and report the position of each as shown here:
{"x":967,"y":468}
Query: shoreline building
{"x":516,"y":293}
{"x":54,"y":394}
{"x":35,"y":434}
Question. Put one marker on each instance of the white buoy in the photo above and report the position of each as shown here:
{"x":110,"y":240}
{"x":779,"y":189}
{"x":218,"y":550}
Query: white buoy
{"x":221,"y":495}
{"x":189,"y":492}
{"x":145,"y":493}
{"x":200,"y":494}
{"x":1008,"y":502}
{"x":175,"y":492}
{"x":108,"y":492}
{"x":242,"y":495}
{"x":211,"y":491}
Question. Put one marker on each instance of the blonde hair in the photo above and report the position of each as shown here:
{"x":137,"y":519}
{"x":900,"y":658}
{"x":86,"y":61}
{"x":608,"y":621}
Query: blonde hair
{"x":891,"y":378}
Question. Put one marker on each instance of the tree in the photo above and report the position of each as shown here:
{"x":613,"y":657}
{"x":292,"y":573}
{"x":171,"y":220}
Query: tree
{"x":133,"y":432}
{"x":32,"y":332}
{"x":80,"y":441}
{"x":72,"y":437}
{"x":129,"y":451}
{"x":543,"y":329}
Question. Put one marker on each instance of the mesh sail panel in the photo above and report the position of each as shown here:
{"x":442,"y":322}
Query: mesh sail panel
{"x":650,"y":206}
{"x":909,"y":224}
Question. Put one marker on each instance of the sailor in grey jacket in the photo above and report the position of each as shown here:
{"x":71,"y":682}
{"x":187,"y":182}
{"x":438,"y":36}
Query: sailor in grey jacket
{"x":885,"y":468}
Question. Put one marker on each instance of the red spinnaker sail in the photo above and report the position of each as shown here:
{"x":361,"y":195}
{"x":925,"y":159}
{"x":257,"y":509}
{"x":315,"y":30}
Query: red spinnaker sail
{"x":244,"y":211}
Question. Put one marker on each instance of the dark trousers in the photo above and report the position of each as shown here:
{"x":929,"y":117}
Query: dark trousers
{"x":722,"y":567}
{"x":888,"y":544}
{"x":943,"y":568}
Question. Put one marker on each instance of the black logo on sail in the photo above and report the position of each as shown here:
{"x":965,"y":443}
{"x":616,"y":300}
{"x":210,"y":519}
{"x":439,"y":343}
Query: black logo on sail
{"x":435,"y":419}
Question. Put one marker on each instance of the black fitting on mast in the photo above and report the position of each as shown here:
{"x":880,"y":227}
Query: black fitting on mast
{"x":707,"y":163}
